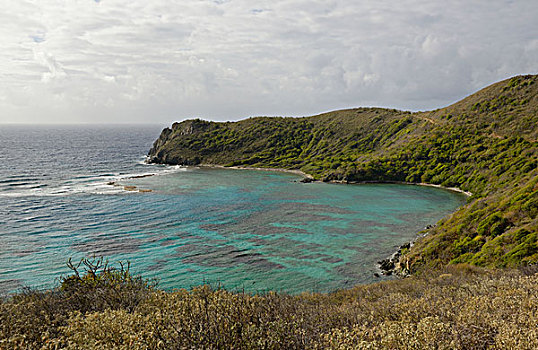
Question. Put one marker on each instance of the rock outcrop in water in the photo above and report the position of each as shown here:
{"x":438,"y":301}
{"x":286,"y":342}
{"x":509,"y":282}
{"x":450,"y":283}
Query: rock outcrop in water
{"x":485,"y":144}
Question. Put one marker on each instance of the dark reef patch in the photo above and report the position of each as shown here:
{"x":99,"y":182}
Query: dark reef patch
{"x":102,"y":244}
{"x":222,"y":256}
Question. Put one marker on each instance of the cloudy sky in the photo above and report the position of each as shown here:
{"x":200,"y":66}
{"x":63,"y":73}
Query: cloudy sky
{"x":133,"y":61}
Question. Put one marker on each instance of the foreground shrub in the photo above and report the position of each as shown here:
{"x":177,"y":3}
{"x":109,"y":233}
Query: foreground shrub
{"x":460,"y":307}
{"x":33,"y":318}
{"x":100,"y":286}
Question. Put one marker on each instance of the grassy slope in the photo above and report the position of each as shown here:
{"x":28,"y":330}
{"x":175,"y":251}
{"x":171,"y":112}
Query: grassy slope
{"x":486,"y":144}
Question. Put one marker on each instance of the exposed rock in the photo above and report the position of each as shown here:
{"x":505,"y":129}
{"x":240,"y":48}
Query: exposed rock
{"x":386,"y":264}
{"x":163,"y":139}
{"x":405,"y":246}
{"x":141,"y":176}
{"x":392,"y":265}
{"x":160,"y":154}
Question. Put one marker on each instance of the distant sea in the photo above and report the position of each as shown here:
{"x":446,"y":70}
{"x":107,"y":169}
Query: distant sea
{"x":239,"y":229}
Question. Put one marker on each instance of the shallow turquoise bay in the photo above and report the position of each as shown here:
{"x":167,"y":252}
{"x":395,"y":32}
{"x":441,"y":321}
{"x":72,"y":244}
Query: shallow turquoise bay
{"x":259,"y":230}
{"x":241,"y":229}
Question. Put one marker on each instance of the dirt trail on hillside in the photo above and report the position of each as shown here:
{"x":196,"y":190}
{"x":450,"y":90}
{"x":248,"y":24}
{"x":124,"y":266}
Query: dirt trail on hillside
{"x":427,"y":119}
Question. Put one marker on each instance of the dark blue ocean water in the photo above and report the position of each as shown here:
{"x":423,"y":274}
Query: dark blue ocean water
{"x":253,"y":230}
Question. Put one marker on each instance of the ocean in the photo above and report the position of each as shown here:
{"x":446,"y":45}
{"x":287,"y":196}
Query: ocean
{"x":85,"y":191}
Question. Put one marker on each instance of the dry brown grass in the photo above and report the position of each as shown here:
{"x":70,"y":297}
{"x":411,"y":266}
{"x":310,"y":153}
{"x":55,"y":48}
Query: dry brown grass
{"x":457,"y":308}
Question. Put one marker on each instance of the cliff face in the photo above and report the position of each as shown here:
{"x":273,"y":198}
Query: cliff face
{"x":485,"y":144}
{"x":160,"y":152}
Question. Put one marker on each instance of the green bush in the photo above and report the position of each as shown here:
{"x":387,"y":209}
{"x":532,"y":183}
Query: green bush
{"x":100,"y":286}
{"x":33,"y":319}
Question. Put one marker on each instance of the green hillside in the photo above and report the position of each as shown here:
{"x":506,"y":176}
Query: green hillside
{"x":485,"y":144}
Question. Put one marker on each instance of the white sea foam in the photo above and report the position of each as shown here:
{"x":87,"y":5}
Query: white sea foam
{"x":103,"y":184}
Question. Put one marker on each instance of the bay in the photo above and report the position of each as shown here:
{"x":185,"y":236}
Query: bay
{"x":241,"y":229}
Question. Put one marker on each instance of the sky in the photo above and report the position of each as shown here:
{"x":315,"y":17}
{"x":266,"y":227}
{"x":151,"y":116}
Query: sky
{"x":132,"y":61}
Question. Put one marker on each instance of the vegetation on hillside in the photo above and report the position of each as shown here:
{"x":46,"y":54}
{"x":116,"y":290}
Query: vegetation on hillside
{"x":458,"y":307}
{"x":485,"y":144}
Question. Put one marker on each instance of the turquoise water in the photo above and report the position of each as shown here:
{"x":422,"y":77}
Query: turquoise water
{"x":242,"y":229}
{"x":262,"y":230}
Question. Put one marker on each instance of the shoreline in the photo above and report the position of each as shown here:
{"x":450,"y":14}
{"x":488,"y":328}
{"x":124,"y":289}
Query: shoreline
{"x":308,"y":177}
{"x":453,"y":189}
{"x":281,"y":170}
{"x":387,"y":266}
{"x":311,"y":178}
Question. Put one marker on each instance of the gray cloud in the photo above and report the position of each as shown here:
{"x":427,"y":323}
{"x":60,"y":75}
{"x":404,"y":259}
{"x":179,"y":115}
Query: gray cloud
{"x":158,"y":61}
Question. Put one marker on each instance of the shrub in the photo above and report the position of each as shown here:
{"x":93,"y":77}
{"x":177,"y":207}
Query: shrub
{"x":101,"y":286}
{"x":33,"y":319}
{"x":457,"y":307}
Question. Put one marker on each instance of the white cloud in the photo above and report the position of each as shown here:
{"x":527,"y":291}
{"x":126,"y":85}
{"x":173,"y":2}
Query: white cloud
{"x":158,"y":61}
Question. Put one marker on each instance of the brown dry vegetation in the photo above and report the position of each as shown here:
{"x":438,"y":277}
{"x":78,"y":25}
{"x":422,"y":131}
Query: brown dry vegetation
{"x":459,"y":307}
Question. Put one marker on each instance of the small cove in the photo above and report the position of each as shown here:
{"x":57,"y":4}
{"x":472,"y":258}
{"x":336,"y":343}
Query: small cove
{"x":261,"y":230}
{"x":241,"y":229}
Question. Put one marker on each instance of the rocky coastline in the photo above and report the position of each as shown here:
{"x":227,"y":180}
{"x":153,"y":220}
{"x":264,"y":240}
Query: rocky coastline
{"x":392,"y":264}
